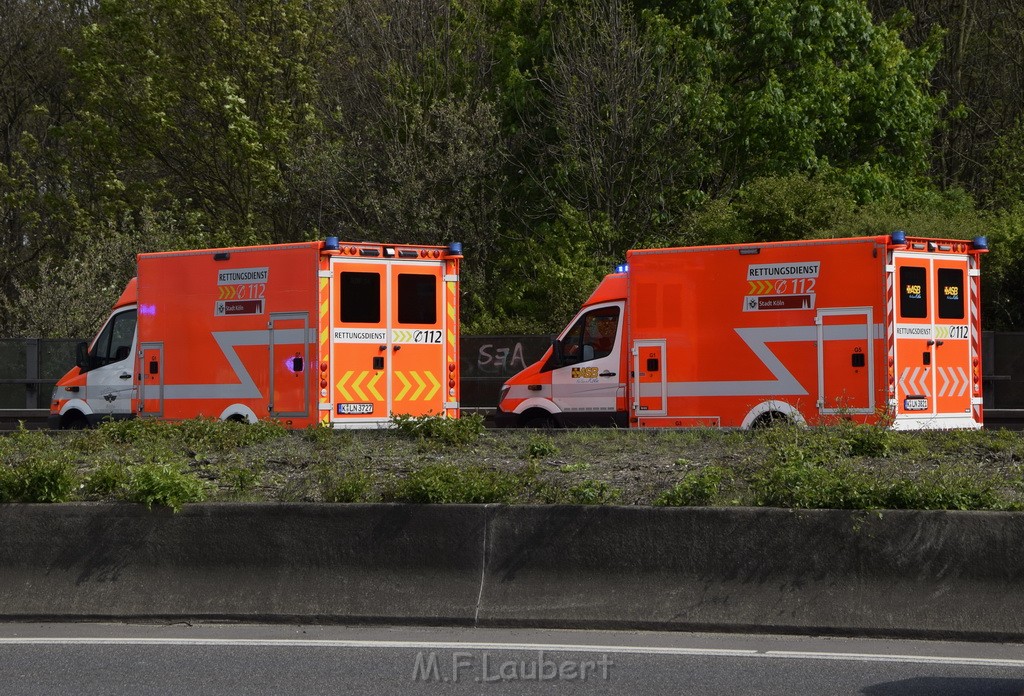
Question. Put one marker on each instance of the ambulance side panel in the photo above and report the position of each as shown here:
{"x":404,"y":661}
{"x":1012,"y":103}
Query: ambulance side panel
{"x":731,"y":336}
{"x":229,"y":333}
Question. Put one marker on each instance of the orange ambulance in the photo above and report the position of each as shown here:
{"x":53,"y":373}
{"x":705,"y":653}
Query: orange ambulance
{"x":333,"y":333}
{"x":882,"y":329}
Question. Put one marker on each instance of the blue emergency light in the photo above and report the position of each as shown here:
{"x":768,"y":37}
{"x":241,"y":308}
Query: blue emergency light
{"x":980,"y":242}
{"x":622,"y":268}
{"x":899,"y":237}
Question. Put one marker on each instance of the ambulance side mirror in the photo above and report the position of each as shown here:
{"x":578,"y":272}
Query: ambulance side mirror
{"x":82,"y":356}
{"x":556,"y":352}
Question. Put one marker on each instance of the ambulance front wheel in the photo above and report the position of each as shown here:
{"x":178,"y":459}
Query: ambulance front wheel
{"x":74,"y":421}
{"x":539,"y":419}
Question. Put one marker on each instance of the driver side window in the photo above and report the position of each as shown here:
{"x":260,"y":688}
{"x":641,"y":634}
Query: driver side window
{"x":591,"y":337}
{"x":115,"y":341}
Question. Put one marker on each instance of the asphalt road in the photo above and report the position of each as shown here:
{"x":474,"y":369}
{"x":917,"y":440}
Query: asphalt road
{"x":85,"y":659}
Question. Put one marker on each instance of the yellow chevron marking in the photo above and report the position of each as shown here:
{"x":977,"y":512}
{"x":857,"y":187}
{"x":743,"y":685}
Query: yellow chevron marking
{"x":356,"y":388}
{"x":451,"y":337}
{"x":324,"y":335}
{"x":341,"y":386}
{"x":435,"y":387}
{"x":370,"y":386}
{"x":419,"y":390}
{"x":405,"y":386}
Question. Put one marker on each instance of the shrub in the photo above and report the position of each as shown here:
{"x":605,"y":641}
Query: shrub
{"x":943,"y":489}
{"x":39,"y":479}
{"x":448,"y":431}
{"x":107,"y":479}
{"x":196,"y":434}
{"x":540,"y":446}
{"x":35,"y":469}
{"x":811,"y":486}
{"x":241,"y":478}
{"x":697,"y":488}
{"x":447,"y":483}
{"x":865,"y":440}
{"x":163,"y":484}
{"x":344,"y":486}
{"x":591,"y":492}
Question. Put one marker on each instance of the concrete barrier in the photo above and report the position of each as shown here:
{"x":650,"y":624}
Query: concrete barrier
{"x":934,"y":574}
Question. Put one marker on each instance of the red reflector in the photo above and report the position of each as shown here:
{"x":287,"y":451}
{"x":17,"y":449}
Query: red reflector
{"x":451,"y":367}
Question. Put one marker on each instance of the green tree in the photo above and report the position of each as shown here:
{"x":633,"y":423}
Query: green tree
{"x":200,"y":103}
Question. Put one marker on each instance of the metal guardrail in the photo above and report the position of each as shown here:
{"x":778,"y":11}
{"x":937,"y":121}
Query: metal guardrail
{"x":29,"y":367}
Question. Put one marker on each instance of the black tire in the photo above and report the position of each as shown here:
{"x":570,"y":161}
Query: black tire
{"x":537,"y":420}
{"x":771,"y":419}
{"x":75,"y":421}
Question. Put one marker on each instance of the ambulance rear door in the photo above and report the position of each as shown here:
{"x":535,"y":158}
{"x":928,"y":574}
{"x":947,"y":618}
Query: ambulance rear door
{"x":933,"y":341}
{"x":388,"y":331}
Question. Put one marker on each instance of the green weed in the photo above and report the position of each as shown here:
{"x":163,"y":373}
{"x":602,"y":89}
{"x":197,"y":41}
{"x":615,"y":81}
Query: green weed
{"x":447,"y":483}
{"x":540,"y":446}
{"x":344,"y":485}
{"x":164,"y":484}
{"x":446,"y":431}
{"x":696,"y":488}
{"x":592,"y":492}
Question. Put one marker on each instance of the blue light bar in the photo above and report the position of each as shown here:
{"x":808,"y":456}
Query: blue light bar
{"x":980,"y":242}
{"x":455,"y":248}
{"x":331,"y":244}
{"x":622,"y":268}
{"x":899,"y":237}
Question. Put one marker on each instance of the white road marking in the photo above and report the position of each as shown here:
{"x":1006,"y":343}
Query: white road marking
{"x":525,"y":647}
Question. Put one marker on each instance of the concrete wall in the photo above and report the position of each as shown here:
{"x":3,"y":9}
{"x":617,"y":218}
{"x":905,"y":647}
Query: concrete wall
{"x":938,"y":574}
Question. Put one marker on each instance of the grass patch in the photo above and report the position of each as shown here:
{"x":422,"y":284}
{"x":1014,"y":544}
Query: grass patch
{"x":437,"y":460}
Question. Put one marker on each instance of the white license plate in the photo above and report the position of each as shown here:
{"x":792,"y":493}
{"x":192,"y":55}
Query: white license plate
{"x":354,"y":409}
{"x":915,"y":404}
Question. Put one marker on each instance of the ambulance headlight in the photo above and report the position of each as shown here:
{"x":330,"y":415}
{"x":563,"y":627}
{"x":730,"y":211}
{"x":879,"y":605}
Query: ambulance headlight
{"x":504,"y":393}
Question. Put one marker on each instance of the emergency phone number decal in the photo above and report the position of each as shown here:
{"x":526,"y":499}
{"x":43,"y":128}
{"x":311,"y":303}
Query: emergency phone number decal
{"x":241,"y":291}
{"x":775,"y":286}
{"x":423,"y":337}
{"x":941,"y":331}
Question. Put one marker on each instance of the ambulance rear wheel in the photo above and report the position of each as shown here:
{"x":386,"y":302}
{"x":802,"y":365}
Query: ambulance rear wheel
{"x":771,"y":419}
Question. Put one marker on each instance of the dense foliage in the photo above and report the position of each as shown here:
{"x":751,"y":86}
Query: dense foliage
{"x":548,"y":136}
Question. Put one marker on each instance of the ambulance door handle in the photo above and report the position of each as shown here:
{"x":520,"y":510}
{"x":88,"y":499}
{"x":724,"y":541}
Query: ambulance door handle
{"x":125,"y":375}
{"x":606,"y":373}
